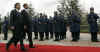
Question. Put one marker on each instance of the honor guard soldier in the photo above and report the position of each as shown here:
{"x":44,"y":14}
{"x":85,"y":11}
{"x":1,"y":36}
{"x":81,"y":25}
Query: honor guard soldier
{"x":0,"y":25}
{"x":50,"y":27}
{"x":35,"y":27}
{"x":92,"y":21}
{"x":41,"y":28}
{"x":63,"y":27}
{"x":27,"y":24}
{"x":5,"y":28}
{"x":46,"y":27}
{"x":57,"y":26}
{"x":75,"y":26}
{"x":17,"y":26}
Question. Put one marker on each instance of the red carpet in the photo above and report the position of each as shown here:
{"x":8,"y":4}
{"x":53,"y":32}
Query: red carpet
{"x":51,"y":48}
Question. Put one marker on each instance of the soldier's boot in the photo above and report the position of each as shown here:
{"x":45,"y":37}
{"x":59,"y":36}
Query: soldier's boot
{"x":94,"y":37}
{"x":56,"y":37}
{"x":64,"y":35}
{"x":5,"y":36}
{"x":74,"y":37}
{"x":78,"y":36}
{"x":47,"y":36}
{"x":41,"y":36}
{"x":36,"y":35}
{"x":51,"y":35}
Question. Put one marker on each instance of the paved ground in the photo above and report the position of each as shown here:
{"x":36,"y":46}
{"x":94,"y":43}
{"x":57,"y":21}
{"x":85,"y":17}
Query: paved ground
{"x":85,"y":40}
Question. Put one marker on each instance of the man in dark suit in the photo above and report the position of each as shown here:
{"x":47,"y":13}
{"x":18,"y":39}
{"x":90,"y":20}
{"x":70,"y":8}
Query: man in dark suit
{"x":27,"y":24}
{"x":17,"y":26}
{"x":92,"y":21}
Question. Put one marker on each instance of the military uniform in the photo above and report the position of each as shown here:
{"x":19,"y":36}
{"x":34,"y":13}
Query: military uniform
{"x":5,"y":29}
{"x":92,"y":20}
{"x":57,"y":27}
{"x":42,"y":27}
{"x":50,"y":27}
{"x":63,"y":28}
{"x":35,"y":27}
{"x":0,"y":25}
{"x":75,"y":27}
{"x":46,"y":27}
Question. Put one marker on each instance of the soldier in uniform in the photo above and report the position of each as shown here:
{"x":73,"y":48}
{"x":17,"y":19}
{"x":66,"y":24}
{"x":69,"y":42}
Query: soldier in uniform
{"x":5,"y":28}
{"x":92,"y":21}
{"x":46,"y":27}
{"x":75,"y":26}
{"x":27,"y":24}
{"x":17,"y":26}
{"x":35,"y":27}
{"x":57,"y":26}
{"x":50,"y":27}
{"x":41,"y":26}
{"x":0,"y":25}
{"x":63,"y":27}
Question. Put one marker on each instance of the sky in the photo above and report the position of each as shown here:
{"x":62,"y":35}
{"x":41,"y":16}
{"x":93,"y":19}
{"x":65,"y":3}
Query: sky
{"x":46,"y":6}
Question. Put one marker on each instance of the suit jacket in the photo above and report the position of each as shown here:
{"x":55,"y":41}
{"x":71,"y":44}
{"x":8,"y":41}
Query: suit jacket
{"x":27,"y":19}
{"x":16,"y":20}
{"x":92,"y":20}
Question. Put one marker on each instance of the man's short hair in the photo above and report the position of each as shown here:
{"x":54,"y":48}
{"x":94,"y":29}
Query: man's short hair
{"x":16,"y":4}
{"x":25,"y":4}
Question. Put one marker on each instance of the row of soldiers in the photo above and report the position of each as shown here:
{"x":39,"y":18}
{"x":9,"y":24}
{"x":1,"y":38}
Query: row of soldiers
{"x":58,"y":27}
{"x":54,"y":25}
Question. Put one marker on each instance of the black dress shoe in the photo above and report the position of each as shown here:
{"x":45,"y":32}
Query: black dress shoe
{"x":23,"y":49}
{"x":4,"y":39}
{"x":15,"y":44}
{"x":31,"y":46}
{"x":74,"y":40}
{"x":41,"y":40}
{"x":95,"y":41}
{"x":56,"y":40}
{"x":35,"y":38}
{"x":47,"y":39}
{"x":7,"y":47}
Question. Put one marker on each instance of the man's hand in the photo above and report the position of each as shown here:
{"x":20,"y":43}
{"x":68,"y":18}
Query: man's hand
{"x":25,"y":27}
{"x":12,"y":27}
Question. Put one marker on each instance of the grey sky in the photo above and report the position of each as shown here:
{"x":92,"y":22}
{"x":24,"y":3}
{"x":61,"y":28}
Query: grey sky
{"x":45,"y":6}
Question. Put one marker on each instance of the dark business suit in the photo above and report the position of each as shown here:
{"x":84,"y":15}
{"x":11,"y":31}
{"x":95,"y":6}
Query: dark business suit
{"x":16,"y":20}
{"x":28,"y":23}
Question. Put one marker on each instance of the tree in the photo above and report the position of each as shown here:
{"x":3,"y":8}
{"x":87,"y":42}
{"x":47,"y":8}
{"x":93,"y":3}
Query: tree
{"x":66,"y":6}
